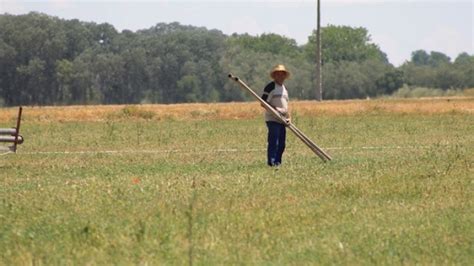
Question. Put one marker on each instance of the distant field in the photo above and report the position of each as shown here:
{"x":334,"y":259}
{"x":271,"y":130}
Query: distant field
{"x":241,"y":110}
{"x":181,"y":184}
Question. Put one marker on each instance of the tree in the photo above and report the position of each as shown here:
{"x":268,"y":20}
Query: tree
{"x":464,"y":65}
{"x":188,"y":89}
{"x":31,"y":82}
{"x":7,"y":73}
{"x":435,"y":70}
{"x":438,"y":59}
{"x":390,"y":82}
{"x":135,"y":75}
{"x":45,"y":60}
{"x":266,"y":43}
{"x":109,"y":71}
{"x":344,"y":81}
{"x":420,"y":58}
{"x":64,"y":74}
{"x":84,"y":87}
{"x":343,"y":43}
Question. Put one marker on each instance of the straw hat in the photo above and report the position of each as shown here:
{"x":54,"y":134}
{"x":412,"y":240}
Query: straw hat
{"x":279,"y":68}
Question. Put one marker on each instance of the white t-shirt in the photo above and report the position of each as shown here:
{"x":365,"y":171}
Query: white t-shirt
{"x":277,"y":96}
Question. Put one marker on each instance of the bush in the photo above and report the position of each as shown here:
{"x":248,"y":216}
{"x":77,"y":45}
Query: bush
{"x":467,"y":92}
{"x":417,"y":92}
{"x":131,"y":111}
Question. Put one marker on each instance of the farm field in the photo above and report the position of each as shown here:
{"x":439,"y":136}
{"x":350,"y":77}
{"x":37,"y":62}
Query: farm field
{"x":188,"y":184}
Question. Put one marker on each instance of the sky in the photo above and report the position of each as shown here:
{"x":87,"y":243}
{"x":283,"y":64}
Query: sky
{"x":397,"y":27}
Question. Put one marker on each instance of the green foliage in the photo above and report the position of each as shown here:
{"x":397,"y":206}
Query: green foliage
{"x":266,"y":43}
{"x":353,"y":67}
{"x":343,"y":43}
{"x":437,"y":71}
{"x":435,"y":59}
{"x":344,"y":81}
{"x":349,"y":80}
{"x":45,"y":60}
{"x":390,"y":82}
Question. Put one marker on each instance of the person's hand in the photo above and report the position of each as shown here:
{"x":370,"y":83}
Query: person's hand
{"x":282,"y":111}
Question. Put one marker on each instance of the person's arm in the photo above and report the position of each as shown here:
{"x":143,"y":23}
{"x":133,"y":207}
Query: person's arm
{"x":266,"y":91}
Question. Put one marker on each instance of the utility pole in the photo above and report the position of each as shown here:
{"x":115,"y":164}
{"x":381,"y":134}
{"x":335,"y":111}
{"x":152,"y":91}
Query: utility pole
{"x":319,"y":82}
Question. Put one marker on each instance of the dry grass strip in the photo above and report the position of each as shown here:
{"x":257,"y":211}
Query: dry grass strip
{"x":216,"y":111}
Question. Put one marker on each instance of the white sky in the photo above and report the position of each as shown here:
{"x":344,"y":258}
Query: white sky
{"x":398,"y":27}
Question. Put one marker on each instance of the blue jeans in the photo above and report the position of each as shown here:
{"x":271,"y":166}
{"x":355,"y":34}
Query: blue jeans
{"x":276,"y":142}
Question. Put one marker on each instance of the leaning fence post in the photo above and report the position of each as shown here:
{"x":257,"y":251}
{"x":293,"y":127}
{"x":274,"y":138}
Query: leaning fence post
{"x":18,"y":122}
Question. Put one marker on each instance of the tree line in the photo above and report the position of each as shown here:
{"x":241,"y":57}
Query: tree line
{"x":45,"y":60}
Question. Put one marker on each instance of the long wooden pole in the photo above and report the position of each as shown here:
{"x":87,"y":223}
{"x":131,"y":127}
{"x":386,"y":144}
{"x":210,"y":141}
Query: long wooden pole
{"x":318,"y":151}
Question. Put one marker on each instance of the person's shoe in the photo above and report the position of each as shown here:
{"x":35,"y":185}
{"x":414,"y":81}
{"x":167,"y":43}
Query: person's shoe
{"x":276,"y":166}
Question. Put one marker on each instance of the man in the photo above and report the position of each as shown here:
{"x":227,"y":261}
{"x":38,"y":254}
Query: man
{"x":276,"y":95}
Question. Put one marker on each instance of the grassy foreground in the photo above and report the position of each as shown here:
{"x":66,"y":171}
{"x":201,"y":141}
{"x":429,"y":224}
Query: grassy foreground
{"x":149,"y":185}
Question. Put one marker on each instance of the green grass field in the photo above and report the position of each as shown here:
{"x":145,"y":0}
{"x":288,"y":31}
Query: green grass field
{"x":400,"y":190}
